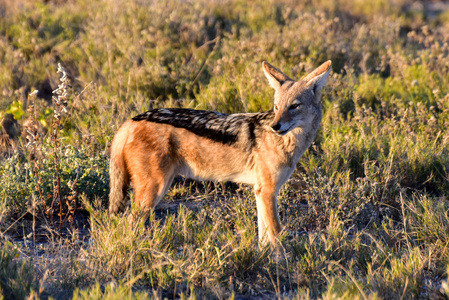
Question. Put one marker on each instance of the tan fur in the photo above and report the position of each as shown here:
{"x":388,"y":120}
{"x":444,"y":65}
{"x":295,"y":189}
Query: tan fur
{"x":151,"y":153}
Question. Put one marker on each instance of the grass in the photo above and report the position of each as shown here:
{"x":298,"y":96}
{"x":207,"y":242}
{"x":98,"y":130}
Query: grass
{"x":365,"y":214}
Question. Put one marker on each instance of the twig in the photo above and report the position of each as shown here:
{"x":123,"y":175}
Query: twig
{"x":197,"y":76}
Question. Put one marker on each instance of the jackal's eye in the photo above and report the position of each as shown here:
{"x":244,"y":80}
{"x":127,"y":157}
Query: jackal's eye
{"x":294,"y":106}
{"x":275,"y":107}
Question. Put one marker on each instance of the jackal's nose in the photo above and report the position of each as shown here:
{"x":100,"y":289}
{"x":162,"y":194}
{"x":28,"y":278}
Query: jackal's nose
{"x":276,"y":126}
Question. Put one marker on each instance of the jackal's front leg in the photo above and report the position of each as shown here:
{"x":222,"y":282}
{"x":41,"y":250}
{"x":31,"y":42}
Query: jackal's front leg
{"x":267,"y":214}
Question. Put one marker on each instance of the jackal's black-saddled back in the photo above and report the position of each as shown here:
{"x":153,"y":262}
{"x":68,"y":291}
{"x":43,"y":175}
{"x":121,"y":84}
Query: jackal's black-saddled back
{"x":213,"y":125}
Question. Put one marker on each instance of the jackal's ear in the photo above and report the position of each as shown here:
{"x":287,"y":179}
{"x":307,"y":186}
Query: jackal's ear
{"x":275,"y":77}
{"x":317,"y":79}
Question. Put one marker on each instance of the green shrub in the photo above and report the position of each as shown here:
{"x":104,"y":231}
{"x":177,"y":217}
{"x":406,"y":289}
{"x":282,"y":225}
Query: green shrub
{"x":17,"y":277}
{"x":89,"y":174}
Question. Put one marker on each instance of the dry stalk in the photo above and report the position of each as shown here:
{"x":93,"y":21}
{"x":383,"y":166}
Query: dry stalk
{"x":60,"y":108}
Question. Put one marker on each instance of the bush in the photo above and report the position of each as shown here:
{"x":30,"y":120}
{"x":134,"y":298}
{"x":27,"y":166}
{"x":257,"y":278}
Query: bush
{"x":86,"y":174}
{"x":17,"y":277}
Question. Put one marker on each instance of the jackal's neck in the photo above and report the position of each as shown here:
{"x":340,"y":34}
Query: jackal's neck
{"x":299,"y":139}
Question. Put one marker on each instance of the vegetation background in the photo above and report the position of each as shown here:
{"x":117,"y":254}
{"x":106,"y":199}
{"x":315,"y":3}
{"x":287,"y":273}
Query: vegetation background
{"x":366,"y":213}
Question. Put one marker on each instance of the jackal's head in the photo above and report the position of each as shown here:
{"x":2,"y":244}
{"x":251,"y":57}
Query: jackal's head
{"x":296,"y":103}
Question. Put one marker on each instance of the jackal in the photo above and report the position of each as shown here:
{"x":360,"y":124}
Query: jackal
{"x":261,"y":149}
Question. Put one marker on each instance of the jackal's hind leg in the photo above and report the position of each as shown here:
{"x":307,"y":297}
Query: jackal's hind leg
{"x":149,"y":190}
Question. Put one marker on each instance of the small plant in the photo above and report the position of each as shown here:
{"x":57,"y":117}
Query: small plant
{"x":16,"y":109}
{"x":60,"y":109}
{"x":111,"y":292}
{"x":67,"y":203}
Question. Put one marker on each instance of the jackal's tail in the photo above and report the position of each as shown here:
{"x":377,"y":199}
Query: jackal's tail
{"x":119,"y":178}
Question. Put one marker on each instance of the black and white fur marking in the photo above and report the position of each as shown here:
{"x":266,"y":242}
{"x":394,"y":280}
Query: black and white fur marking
{"x":213,"y":125}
